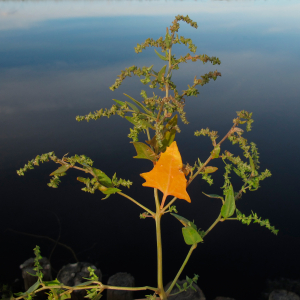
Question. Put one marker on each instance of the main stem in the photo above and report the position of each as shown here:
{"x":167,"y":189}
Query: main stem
{"x":158,"y":215}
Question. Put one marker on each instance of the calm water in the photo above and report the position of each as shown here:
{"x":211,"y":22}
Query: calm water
{"x":57,"y":60}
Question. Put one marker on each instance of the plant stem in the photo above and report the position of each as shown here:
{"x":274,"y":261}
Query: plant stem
{"x":159,"y":257}
{"x":137,"y":203}
{"x":213,"y":225}
{"x":159,"y":248}
{"x":193,"y":247}
{"x":169,"y":204}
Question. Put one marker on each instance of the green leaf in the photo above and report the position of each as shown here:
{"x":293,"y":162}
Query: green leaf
{"x":110,"y":191}
{"x":185,"y":222}
{"x":65,"y":296}
{"x":213,"y":196}
{"x":215,"y":153}
{"x":82,"y":179}
{"x":52,"y":283}
{"x":160,"y":56}
{"x":210,"y":169}
{"x":191,"y":235}
{"x":60,"y":170}
{"x":102,"y":177}
{"x":252,"y":166}
{"x":172,"y":122}
{"x":119,"y":102}
{"x":168,"y":40}
{"x":133,"y":107}
{"x":237,"y":172}
{"x":161,"y":73}
{"x":139,"y":104}
{"x":143,"y":151}
{"x":85,"y":283}
{"x":228,"y":207}
{"x":145,"y":123}
{"x":168,"y":140}
{"x":33,"y":287}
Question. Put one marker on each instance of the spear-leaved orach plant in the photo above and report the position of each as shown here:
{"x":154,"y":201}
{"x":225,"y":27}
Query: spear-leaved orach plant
{"x":157,"y":116}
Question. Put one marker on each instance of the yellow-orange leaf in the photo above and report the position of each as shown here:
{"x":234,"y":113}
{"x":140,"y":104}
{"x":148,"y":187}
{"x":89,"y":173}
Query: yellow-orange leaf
{"x":167,"y":175}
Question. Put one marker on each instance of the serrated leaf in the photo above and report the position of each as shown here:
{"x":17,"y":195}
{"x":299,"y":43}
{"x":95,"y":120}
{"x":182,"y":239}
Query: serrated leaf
{"x":143,"y":151}
{"x":161,"y":56}
{"x":191,"y":236}
{"x":167,"y":175}
{"x":185,"y":222}
{"x":60,"y":170}
{"x":161,"y":73}
{"x":139,"y":104}
{"x":119,"y":102}
{"x":210,"y":169}
{"x":228,"y":207}
{"x":215,"y":153}
{"x":102,"y":177}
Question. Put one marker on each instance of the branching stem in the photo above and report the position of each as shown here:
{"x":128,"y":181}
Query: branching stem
{"x":193,"y":247}
{"x":137,"y":203}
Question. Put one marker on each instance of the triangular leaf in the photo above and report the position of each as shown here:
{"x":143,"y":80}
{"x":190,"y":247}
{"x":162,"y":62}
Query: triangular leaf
{"x":191,"y":236}
{"x":60,"y":170}
{"x":144,"y":151}
{"x":167,"y":175}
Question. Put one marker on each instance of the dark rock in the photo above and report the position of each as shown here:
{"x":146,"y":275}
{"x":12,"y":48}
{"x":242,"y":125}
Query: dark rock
{"x":120,"y":279}
{"x":27,"y":267}
{"x":74,"y":274}
{"x":283,"y":295}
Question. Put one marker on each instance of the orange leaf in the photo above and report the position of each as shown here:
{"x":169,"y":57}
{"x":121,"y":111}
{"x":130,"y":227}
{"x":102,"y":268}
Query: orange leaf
{"x":167,"y":175}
